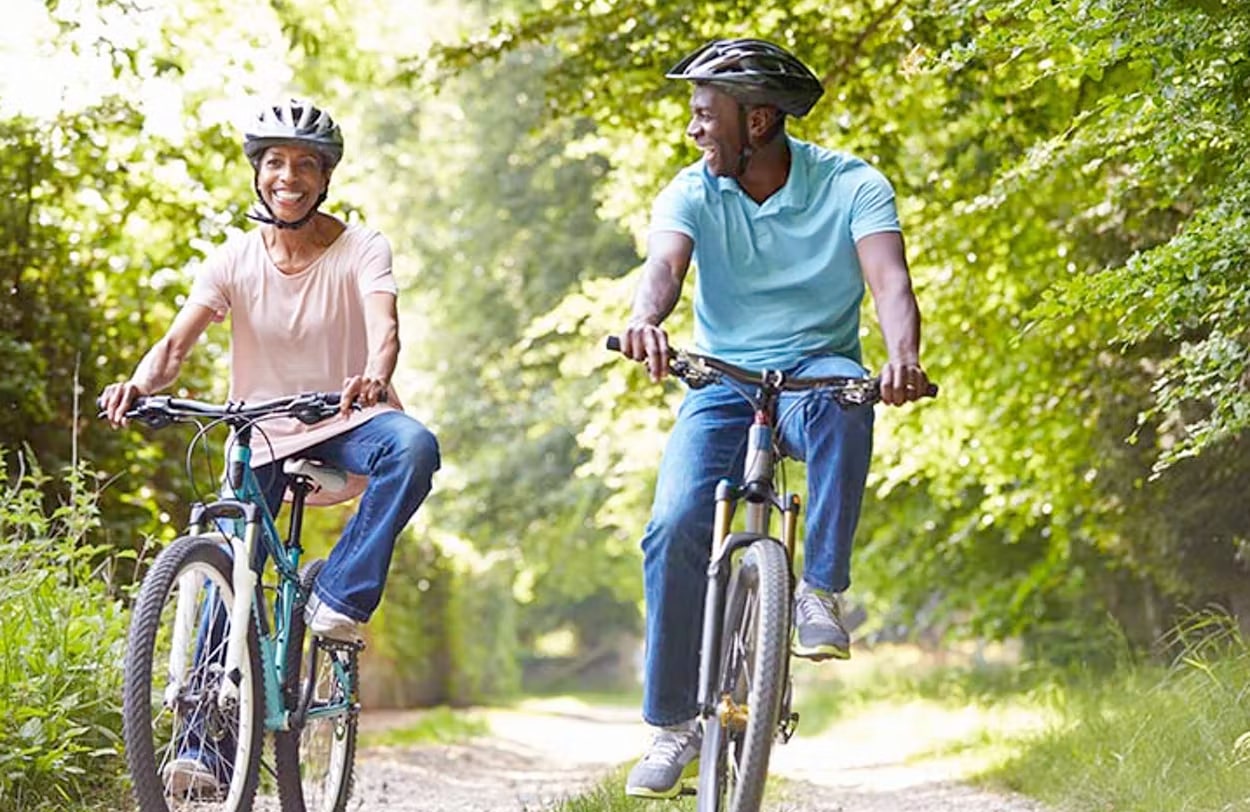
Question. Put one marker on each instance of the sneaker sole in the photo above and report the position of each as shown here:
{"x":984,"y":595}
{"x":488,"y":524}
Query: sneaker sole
{"x":691,"y":770}
{"x":820,"y":653}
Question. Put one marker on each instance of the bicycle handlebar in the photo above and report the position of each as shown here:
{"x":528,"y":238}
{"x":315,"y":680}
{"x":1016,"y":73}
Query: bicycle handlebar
{"x":698,"y":371}
{"x":159,"y":411}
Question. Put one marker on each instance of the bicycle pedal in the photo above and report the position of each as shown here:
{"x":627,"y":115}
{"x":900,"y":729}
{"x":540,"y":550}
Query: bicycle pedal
{"x":347,"y":646}
{"x":788,"y":725}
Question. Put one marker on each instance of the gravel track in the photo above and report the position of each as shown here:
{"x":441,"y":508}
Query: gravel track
{"x":547,"y":752}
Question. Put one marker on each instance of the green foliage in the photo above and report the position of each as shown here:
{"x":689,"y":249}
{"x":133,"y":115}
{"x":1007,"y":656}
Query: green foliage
{"x":62,"y":638}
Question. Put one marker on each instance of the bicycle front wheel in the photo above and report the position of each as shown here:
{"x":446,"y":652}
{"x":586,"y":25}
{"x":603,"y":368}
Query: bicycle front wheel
{"x":193,"y":732}
{"x":315,"y":758}
{"x":737,"y":738}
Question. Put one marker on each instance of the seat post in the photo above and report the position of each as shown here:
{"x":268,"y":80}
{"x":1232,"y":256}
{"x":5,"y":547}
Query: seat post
{"x":300,"y":488}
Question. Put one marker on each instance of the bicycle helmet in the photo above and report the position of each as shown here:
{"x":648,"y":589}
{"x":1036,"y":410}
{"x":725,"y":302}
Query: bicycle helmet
{"x":293,"y":122}
{"x":753,"y":71}
{"x":296,"y":122}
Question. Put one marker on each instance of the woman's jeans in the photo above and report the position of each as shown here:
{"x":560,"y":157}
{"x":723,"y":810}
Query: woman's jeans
{"x":708,"y":443}
{"x":400,"y":456}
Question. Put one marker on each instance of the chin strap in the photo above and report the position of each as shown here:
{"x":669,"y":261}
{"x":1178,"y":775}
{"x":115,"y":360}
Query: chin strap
{"x":744,"y":156}
{"x":261,"y":212}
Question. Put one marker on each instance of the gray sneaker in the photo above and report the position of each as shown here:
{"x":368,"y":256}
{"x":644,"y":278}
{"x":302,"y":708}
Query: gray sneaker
{"x":189,"y":778}
{"x":672,"y":757}
{"x":818,"y":630}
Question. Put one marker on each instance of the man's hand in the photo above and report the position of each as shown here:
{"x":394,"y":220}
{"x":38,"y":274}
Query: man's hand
{"x":363,"y":390}
{"x":115,"y":400}
{"x":902,"y":382}
{"x":642,"y":341}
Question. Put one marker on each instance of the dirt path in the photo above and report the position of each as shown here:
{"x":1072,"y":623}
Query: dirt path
{"x":548,"y":751}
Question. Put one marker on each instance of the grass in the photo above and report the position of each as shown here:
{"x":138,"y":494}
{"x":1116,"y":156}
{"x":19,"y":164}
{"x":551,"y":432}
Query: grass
{"x":609,"y":796}
{"x":1149,"y":739}
{"x":62,"y":636}
{"x":441,"y":725}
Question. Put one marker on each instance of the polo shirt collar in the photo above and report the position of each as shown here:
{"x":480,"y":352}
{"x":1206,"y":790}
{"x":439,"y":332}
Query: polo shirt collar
{"x":792,"y":194}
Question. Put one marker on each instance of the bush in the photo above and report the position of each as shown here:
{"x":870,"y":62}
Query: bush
{"x":62,"y":639}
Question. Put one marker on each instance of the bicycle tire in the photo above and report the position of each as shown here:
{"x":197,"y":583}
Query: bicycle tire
{"x":158,"y":726}
{"x":315,"y":760}
{"x":755,"y":643}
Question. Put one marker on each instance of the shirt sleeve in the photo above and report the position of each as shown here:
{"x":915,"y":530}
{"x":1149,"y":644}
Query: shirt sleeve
{"x":374,"y":273}
{"x":210,"y":287}
{"x":674,"y":210}
{"x":872,"y":206}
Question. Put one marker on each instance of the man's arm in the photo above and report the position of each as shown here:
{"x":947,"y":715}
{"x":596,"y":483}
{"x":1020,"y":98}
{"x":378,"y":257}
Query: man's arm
{"x":659,"y":289}
{"x":160,"y":365}
{"x":382,"y":334}
{"x":884,"y":264}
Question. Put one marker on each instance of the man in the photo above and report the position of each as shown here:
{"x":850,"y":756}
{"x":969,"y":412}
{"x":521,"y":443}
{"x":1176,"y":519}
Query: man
{"x":312,"y":302}
{"x":785,"y":234}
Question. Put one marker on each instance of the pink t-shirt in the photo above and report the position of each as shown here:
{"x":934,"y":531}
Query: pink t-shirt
{"x":295,"y":333}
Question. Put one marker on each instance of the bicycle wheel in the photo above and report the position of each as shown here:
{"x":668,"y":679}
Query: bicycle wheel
{"x":315,"y":760}
{"x":188,"y":745}
{"x":737,"y":739}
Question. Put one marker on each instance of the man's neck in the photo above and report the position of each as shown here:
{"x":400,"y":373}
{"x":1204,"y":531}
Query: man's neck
{"x":767,"y":170}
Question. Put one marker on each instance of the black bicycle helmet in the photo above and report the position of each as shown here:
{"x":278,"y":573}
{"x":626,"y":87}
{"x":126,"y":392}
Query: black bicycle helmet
{"x":293,"y":122}
{"x":753,"y":71}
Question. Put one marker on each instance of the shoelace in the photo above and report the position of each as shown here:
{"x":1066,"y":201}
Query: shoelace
{"x":667,"y":745}
{"x":815,"y":608}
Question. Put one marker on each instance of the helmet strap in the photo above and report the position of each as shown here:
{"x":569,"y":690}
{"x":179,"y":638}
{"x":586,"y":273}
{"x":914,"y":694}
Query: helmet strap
{"x":264,"y":214}
{"x":745,"y":153}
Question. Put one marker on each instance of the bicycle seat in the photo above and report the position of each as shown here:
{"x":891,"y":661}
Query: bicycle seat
{"x":325,"y":477}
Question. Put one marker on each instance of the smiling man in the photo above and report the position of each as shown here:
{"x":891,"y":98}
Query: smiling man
{"x":785,"y":234}
{"x":312,"y":305}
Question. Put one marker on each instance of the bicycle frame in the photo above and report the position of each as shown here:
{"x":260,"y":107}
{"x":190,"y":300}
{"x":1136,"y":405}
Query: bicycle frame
{"x":242,"y":508}
{"x":761,"y":499}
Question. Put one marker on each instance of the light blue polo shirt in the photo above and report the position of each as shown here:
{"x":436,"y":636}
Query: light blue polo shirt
{"x":779,"y":281}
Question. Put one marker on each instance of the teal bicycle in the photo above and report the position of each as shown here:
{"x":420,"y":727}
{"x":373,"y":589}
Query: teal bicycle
{"x":217,"y":647}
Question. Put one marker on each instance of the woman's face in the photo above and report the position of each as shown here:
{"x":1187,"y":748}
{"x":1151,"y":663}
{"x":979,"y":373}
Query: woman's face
{"x":291,"y":179}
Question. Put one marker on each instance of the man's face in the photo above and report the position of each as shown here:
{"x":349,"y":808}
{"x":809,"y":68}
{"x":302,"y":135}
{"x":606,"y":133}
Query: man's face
{"x":291,"y":179}
{"x":715,"y":129}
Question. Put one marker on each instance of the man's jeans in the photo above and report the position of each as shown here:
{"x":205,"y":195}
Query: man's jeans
{"x":708,"y":444}
{"x":400,"y":456}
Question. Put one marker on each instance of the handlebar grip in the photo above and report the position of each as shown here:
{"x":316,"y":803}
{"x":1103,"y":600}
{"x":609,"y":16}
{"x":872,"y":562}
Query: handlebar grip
{"x":613,"y":343}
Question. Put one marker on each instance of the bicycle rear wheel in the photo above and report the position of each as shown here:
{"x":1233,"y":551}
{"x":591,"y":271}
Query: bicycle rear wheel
{"x":315,"y":758}
{"x":737,"y":739}
{"x":188,"y":744}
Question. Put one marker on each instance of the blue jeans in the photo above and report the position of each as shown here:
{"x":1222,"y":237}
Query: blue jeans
{"x":400,"y":456}
{"x":708,"y":444}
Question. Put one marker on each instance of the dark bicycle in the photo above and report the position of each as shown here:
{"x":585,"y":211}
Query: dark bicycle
{"x":745,"y":687}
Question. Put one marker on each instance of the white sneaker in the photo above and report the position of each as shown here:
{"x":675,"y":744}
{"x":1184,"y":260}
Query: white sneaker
{"x":189,"y":778}
{"x":325,"y":621}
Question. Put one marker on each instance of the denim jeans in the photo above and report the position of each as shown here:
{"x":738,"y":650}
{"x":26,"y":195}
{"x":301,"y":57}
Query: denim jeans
{"x":708,"y":443}
{"x":400,"y":456}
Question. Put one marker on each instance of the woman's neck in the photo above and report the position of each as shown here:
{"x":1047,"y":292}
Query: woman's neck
{"x":294,"y":249}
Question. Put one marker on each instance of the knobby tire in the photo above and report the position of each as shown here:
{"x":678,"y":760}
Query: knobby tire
{"x":314,"y":761}
{"x":755,"y":644}
{"x":153,"y":731}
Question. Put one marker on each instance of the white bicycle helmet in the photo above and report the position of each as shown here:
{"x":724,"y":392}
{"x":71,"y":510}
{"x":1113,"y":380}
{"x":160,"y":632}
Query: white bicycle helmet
{"x":294,"y":121}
